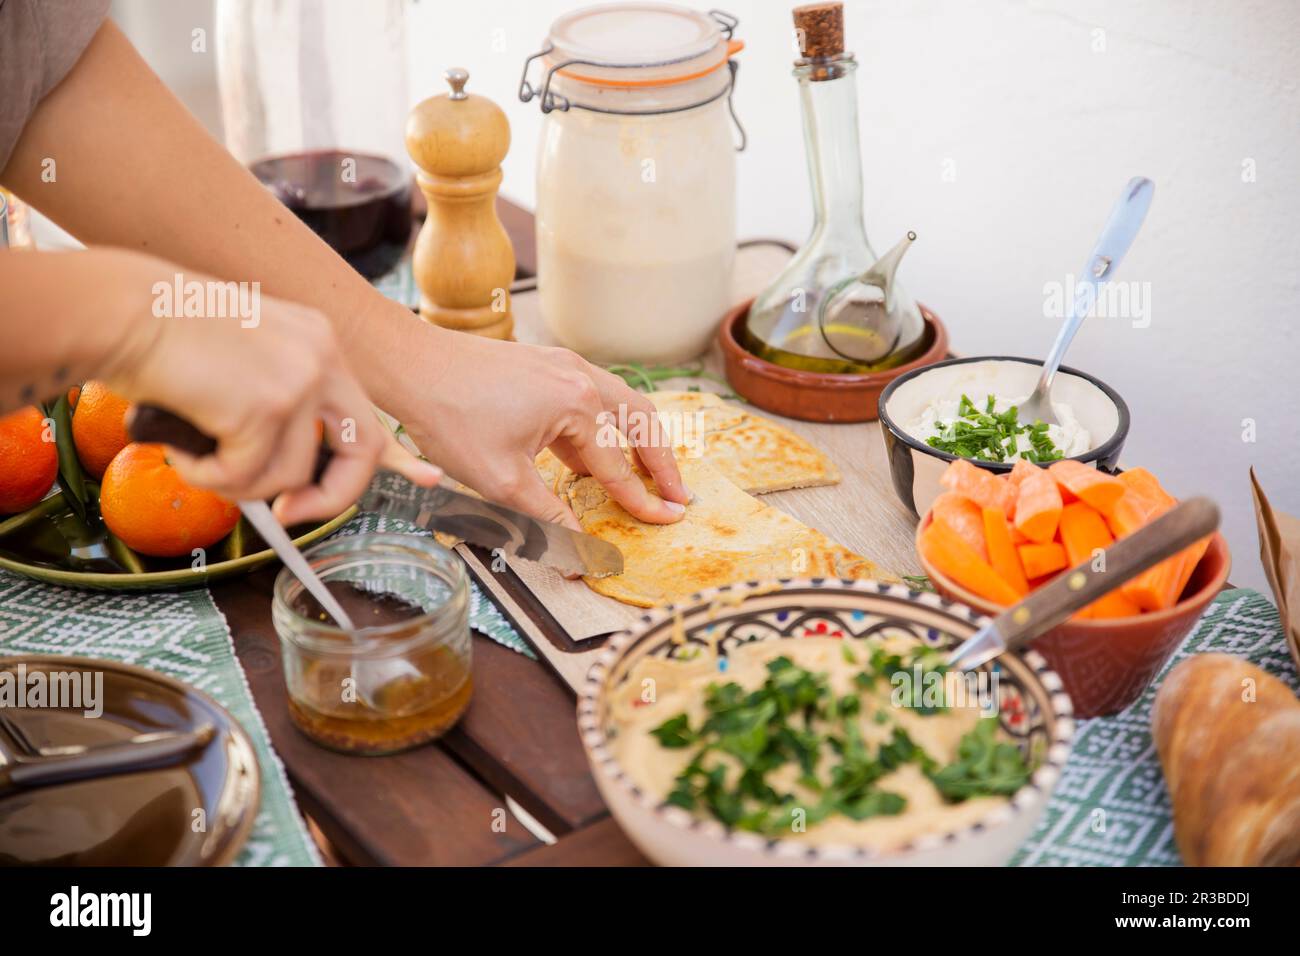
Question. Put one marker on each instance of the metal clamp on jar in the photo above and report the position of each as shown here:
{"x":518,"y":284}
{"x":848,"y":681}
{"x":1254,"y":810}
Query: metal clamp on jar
{"x":636,"y":179}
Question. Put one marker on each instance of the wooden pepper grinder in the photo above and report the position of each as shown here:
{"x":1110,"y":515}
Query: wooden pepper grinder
{"x":463,"y":261}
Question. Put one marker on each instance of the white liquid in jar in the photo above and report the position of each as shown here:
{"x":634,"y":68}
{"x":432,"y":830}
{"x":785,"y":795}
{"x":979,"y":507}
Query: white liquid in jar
{"x":636,"y":232}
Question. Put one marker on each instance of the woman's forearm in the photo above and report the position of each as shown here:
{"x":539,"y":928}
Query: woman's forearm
{"x":133,"y":168}
{"x":70,"y":316}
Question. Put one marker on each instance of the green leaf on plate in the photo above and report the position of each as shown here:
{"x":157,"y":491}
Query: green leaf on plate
{"x":71,"y":478}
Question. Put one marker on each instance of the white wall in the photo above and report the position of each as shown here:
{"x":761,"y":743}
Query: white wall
{"x":1039,"y":119}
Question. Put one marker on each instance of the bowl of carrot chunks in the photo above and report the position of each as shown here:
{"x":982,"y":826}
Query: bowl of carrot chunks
{"x":988,"y":540}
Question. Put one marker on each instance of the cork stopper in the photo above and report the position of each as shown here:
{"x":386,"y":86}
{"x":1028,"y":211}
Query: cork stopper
{"x":820,"y":29}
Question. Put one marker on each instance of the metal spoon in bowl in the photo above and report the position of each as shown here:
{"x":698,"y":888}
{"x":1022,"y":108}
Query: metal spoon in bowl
{"x":1125,"y":220}
{"x":1078,"y":587}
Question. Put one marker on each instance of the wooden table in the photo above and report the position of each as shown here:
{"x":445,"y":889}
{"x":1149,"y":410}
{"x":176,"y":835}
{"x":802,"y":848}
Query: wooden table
{"x":443,"y":804}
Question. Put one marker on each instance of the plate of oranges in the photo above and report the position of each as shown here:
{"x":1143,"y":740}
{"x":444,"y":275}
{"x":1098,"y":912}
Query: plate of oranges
{"x":84,"y":506}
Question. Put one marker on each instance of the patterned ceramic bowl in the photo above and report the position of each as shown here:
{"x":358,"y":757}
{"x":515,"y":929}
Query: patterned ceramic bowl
{"x":1033,"y":710}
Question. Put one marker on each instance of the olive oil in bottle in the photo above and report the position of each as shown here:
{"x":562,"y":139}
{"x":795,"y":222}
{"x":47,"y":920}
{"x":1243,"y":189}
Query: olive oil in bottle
{"x":789,"y":324}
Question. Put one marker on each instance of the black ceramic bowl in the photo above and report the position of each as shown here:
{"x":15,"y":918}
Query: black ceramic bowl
{"x":915,"y":467}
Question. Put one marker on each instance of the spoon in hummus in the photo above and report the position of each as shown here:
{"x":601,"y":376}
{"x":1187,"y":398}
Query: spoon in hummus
{"x":1125,"y":220}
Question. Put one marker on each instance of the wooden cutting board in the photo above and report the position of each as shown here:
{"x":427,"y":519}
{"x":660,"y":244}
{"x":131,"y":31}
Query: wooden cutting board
{"x":567,"y":622}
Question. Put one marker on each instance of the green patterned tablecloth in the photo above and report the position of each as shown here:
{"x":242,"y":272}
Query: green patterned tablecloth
{"x":1113,"y":767}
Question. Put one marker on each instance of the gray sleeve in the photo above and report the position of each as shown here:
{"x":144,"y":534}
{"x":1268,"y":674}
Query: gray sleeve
{"x":40,"y":40}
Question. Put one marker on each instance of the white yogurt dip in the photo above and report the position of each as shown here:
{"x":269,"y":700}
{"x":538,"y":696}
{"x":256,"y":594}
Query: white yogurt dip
{"x":1070,"y":437}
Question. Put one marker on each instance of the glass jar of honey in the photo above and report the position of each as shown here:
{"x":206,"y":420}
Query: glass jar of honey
{"x":402,"y":677}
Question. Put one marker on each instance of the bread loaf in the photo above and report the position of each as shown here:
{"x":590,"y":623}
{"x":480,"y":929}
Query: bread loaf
{"x":1228,"y":735}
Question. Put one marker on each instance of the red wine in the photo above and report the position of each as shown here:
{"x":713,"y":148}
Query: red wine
{"x":359,"y":204}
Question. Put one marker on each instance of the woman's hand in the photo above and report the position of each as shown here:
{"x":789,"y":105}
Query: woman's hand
{"x":264,"y":391}
{"x":495,"y":405}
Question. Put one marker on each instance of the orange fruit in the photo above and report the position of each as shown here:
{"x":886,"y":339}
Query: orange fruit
{"x":99,"y":427}
{"x":145,"y":503}
{"x":28,"y":463}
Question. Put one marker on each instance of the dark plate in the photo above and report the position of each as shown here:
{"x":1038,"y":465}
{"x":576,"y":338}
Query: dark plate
{"x":197,"y":812}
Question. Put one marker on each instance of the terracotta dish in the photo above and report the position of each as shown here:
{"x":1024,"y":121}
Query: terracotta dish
{"x":814,"y":396}
{"x":1106,"y":665}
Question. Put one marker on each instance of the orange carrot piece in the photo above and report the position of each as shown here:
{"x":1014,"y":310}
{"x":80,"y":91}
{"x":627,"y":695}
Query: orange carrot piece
{"x":1143,"y":501}
{"x":946,"y":550}
{"x":1021,"y":470}
{"x":1146,"y":485}
{"x":963,"y":516}
{"x":1038,"y":508}
{"x":1040,"y":560}
{"x":980,"y":486}
{"x":1131,"y":512}
{"x":1149,"y":589}
{"x":1086,"y":483}
{"x":1002,"y":552}
{"x":1012,"y":495}
{"x":1112,"y":605}
{"x":1191,"y":558}
{"x":1083,"y":532}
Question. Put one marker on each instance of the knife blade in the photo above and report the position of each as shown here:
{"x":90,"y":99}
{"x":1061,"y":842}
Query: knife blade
{"x":476,"y":520}
{"x":492,"y":526}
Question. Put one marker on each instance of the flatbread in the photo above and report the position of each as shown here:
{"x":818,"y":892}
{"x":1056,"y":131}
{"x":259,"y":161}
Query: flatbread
{"x":727,"y":536}
{"x":754,"y":452}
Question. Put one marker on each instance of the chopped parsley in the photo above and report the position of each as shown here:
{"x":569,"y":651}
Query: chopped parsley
{"x":993,"y":436}
{"x":795,"y":719}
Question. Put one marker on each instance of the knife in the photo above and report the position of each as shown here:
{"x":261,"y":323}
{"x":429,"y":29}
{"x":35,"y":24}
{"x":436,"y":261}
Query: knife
{"x":142,"y":752}
{"x":439,"y":508}
{"x":1078,"y":587}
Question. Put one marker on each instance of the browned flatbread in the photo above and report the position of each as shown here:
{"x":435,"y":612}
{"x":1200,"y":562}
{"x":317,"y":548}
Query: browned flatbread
{"x":754,"y":452}
{"x":726,"y":536}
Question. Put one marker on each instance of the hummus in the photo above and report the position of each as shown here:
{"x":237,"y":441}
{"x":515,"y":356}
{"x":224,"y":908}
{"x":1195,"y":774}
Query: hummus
{"x":660,"y":690}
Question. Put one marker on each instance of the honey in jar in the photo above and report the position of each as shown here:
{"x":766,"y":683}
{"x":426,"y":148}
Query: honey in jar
{"x":402,"y":677}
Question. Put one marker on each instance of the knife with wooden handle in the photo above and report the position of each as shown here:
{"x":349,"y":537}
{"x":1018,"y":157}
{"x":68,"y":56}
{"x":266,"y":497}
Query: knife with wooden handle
{"x":1075,"y":589}
{"x":439,"y":508}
